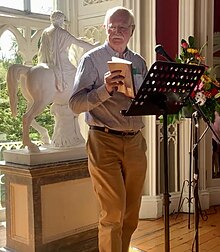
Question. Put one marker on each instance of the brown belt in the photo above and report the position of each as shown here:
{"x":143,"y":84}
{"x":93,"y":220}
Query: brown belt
{"x":114,"y":132}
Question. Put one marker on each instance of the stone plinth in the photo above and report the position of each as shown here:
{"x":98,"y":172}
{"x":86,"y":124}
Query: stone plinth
{"x":45,"y":156}
{"x":50,"y":207}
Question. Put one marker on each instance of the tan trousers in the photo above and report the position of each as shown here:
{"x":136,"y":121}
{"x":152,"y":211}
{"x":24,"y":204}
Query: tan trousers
{"x":117,"y":166}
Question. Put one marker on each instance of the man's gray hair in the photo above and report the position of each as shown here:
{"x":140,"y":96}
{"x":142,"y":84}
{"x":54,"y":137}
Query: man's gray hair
{"x":113,"y":10}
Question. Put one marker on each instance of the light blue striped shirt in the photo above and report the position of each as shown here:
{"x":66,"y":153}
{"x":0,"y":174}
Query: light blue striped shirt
{"x":90,"y":95}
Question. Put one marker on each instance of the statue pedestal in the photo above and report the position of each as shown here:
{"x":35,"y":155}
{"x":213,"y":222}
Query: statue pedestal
{"x":45,"y":156}
{"x":50,"y":207}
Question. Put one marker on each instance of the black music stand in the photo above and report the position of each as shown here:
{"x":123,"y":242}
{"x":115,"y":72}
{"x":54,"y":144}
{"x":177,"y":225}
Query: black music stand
{"x":164,"y":91}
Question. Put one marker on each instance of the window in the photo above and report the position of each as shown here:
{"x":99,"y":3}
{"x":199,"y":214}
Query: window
{"x":6,"y":45}
{"x":35,"y":6}
{"x":41,"y":6}
{"x":18,"y":4}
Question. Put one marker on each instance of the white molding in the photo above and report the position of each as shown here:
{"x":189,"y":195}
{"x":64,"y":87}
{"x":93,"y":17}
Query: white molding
{"x":204,"y":198}
{"x":214,"y":196}
{"x":152,"y":206}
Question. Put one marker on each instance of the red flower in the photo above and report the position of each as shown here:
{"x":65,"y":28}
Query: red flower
{"x":200,"y":85}
{"x":184,"y":45}
{"x":193,"y":94}
{"x":208,"y":94}
{"x":214,"y":91}
{"x":199,"y":57}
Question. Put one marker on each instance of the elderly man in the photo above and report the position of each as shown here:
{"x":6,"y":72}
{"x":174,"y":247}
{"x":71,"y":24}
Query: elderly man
{"x":116,"y":148}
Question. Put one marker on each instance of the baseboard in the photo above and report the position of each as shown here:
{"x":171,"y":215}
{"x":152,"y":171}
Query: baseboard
{"x":152,"y":206}
{"x":214,"y":196}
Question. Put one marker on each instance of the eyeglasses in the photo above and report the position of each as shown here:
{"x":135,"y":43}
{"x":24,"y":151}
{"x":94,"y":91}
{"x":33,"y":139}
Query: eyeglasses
{"x":120,"y":28}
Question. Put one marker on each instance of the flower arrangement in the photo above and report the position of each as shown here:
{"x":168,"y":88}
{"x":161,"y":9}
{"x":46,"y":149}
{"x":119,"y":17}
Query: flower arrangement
{"x":207,"y":91}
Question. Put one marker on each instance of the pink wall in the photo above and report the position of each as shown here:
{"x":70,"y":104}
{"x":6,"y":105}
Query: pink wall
{"x":217,"y":21}
{"x":217,"y":16}
{"x":167,"y":26}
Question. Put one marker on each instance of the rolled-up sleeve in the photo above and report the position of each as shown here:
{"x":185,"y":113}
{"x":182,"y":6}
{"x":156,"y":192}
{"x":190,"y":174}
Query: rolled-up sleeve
{"x":87,"y":94}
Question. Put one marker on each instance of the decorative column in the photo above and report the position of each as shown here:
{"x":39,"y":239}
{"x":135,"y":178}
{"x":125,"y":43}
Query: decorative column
{"x":189,"y":24}
{"x":186,"y":19}
{"x":143,"y":41}
{"x":151,"y":204}
{"x":204,"y":27}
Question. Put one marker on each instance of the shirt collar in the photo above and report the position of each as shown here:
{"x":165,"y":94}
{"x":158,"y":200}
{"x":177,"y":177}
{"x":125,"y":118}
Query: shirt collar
{"x":114,"y":53}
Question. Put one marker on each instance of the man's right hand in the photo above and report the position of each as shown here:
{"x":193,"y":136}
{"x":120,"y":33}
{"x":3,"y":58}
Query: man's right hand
{"x":112,"y":80}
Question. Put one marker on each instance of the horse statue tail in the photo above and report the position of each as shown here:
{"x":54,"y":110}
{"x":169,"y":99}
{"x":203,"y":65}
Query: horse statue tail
{"x":13,"y":76}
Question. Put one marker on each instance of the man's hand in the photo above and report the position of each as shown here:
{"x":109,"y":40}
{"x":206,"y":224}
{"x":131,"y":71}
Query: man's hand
{"x":112,"y":80}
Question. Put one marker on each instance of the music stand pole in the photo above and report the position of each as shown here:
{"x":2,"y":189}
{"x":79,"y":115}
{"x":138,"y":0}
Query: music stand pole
{"x":190,"y":171}
{"x":166,"y":185}
{"x":196,"y":180}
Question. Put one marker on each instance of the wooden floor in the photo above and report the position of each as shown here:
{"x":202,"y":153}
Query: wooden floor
{"x":149,"y":236}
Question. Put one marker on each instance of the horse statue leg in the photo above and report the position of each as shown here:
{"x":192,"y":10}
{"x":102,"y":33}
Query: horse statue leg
{"x":15,"y":73}
{"x":44,"y":135}
{"x":38,"y":88}
{"x":32,"y":147}
{"x":40,"y":84}
{"x":28,"y":119}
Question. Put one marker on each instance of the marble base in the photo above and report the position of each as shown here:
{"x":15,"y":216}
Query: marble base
{"x":4,"y":250}
{"x":83,"y":242}
{"x":45,"y":156}
{"x":50,"y":208}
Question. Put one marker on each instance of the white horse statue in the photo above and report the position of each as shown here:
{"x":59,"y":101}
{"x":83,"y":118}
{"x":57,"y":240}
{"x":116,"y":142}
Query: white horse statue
{"x":29,"y":82}
{"x":51,"y":81}
{"x":39,"y":89}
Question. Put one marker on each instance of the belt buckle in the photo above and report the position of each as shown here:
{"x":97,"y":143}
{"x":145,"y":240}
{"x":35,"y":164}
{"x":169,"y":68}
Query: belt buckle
{"x":127,"y":133}
{"x":106,"y":130}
